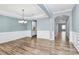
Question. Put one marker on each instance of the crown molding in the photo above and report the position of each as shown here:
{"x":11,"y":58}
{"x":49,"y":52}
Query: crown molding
{"x":57,"y":12}
{"x":14,"y":15}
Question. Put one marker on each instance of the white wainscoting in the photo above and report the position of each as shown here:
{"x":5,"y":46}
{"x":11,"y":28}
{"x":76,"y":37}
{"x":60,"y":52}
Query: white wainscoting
{"x":9,"y":36}
{"x":75,"y":40}
{"x":44,"y":35}
{"x":70,"y":36}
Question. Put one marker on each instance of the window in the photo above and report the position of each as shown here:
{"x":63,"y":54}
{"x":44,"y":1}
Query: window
{"x":63,"y":27}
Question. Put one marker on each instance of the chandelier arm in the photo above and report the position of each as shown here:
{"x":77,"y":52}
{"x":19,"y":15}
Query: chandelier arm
{"x":23,"y":21}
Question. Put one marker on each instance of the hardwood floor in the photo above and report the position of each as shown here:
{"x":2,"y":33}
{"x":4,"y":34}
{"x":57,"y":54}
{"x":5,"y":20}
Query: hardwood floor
{"x":34,"y":46}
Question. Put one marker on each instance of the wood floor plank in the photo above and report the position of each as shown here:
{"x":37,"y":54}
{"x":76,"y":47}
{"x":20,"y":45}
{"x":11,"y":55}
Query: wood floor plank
{"x":34,"y":46}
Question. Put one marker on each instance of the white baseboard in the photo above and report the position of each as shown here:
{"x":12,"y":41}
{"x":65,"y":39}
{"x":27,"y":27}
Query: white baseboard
{"x":9,"y":36}
{"x":75,"y":40}
{"x":45,"y":35}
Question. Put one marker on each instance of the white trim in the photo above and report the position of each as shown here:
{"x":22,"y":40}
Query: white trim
{"x":9,"y":36}
{"x":43,"y":34}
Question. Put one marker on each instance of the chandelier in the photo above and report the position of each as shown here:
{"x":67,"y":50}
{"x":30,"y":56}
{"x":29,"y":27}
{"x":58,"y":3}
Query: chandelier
{"x":23,"y":21}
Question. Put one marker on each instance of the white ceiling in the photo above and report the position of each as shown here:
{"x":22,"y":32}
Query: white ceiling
{"x":60,"y":7}
{"x":15,"y":10}
{"x":31,"y":10}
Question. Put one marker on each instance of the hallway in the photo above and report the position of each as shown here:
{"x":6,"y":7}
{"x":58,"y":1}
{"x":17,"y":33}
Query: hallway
{"x":62,"y":39}
{"x":34,"y":46}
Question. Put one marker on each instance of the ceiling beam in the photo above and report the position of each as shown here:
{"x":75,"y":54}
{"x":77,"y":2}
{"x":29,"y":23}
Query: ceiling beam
{"x":45,"y":8}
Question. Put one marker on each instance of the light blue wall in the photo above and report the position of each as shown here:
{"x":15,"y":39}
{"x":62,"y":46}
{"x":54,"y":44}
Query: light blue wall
{"x":75,"y":19}
{"x":43,"y":25}
{"x":8,"y":24}
{"x":29,"y":25}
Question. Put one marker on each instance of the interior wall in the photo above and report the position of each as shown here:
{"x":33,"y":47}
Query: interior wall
{"x":75,"y":23}
{"x":67,"y":26}
{"x":43,"y":28}
{"x":75,"y":26}
{"x":56,"y":29}
{"x":8,"y":24}
{"x":43,"y":24}
{"x":59,"y":28}
{"x":10,"y":29}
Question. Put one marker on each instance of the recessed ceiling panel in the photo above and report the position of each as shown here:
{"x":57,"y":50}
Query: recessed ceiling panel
{"x":29,"y":10}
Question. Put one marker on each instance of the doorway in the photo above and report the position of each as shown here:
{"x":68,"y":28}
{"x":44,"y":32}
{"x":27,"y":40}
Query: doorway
{"x":34,"y":29}
{"x":62,"y":29}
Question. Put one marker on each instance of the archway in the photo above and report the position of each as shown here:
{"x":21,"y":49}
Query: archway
{"x":62,"y":28}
